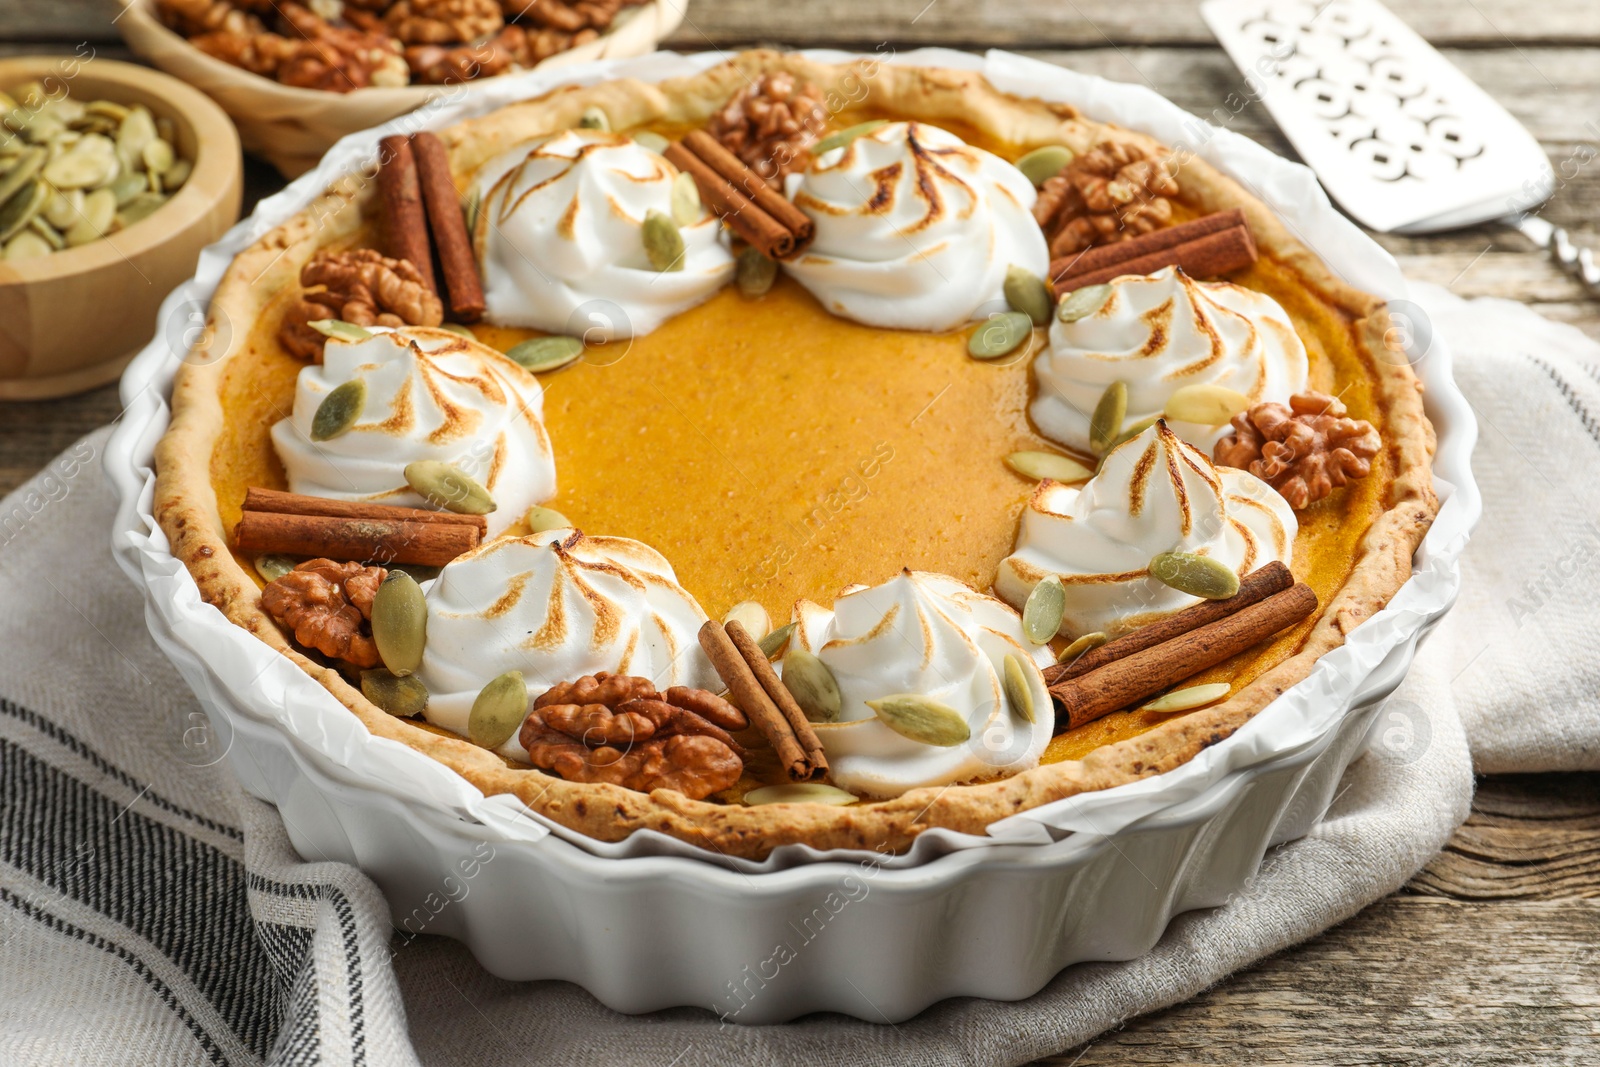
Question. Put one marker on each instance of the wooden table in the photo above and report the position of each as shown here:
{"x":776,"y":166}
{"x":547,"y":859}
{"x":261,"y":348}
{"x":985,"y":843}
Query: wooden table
{"x":1489,"y":956}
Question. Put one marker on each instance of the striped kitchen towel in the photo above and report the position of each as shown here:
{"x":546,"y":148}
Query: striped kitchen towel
{"x":151,"y":912}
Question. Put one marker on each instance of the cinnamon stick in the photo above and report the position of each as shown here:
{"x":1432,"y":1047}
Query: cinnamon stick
{"x":742,"y":200}
{"x":448,"y":227}
{"x":405,"y":226}
{"x":768,"y":199}
{"x":366,"y":540}
{"x":275,"y":500}
{"x":1121,"y":682}
{"x":779,"y":693}
{"x":1206,"y":247}
{"x":1253,"y":588}
{"x":753,"y":700}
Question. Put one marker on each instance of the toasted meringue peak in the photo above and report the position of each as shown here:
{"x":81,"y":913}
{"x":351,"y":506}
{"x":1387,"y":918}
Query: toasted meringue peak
{"x":559,"y":234}
{"x":431,"y":394}
{"x":1158,"y":333}
{"x":556,"y":606}
{"x":934,"y":636}
{"x":915,"y":228}
{"x":1154,"y":493}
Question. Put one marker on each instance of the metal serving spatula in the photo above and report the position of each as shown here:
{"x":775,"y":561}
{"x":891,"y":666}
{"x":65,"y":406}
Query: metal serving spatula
{"x":1403,"y":140}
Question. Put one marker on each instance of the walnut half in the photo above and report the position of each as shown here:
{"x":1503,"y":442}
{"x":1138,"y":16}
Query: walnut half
{"x":771,"y":125}
{"x":360,"y":286}
{"x":618,"y":729}
{"x":1305,"y":451}
{"x":328,"y":606}
{"x":1110,"y":193}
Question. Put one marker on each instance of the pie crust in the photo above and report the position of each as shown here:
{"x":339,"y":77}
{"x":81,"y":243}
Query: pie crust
{"x":186,"y":504}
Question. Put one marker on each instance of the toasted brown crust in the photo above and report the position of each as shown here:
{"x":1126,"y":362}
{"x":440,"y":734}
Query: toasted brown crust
{"x":186,"y":506}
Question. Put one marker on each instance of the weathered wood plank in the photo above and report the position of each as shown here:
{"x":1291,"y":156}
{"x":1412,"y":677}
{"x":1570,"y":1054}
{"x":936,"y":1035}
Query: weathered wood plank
{"x":1407,"y":981}
{"x":1087,"y":23}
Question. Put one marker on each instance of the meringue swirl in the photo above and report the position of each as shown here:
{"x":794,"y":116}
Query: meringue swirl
{"x":430,"y":394}
{"x":560,"y":227}
{"x":556,"y":606}
{"x":915,"y":228}
{"x":1156,"y":334}
{"x":1154,"y":493}
{"x":931,"y":635}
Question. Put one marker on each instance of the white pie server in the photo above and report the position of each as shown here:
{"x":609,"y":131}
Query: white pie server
{"x":1399,"y":136}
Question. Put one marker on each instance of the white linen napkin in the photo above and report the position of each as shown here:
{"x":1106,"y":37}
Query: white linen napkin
{"x":150,"y":912}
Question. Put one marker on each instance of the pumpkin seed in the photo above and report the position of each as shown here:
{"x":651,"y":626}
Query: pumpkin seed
{"x":400,"y":623}
{"x":1130,"y":432}
{"x":1106,"y":422}
{"x":459,"y":330}
{"x":141,"y":207}
{"x":107,"y":109}
{"x":498,"y":711}
{"x":21,"y":208}
{"x":38,"y":225}
{"x":922,"y":719}
{"x":653,"y":141}
{"x":1197,"y":575}
{"x":173,"y":177}
{"x":136,"y":131}
{"x":405,"y":697}
{"x":541,"y":519}
{"x":339,"y":330}
{"x":1041,"y":612}
{"x":273,"y":566}
{"x":843,"y":137}
{"x":1087,"y":643}
{"x":1041,"y":465}
{"x":812,"y":685}
{"x":469,"y":211}
{"x":448,"y":487}
{"x":1045,"y":163}
{"x":800,"y":793}
{"x":61,"y":210}
{"x":685,"y":200}
{"x":1081,"y":303}
{"x":99,"y":212}
{"x":594,"y":119}
{"x":27,"y":245}
{"x":1026,"y":292}
{"x":1208,"y":405}
{"x":1018,"y":691}
{"x":22,"y":171}
{"x":752,"y":616}
{"x":82,"y":169}
{"x":1001,"y":334}
{"x":157,"y":157}
{"x":774,"y":642}
{"x":1192,"y":697}
{"x":339,"y":410}
{"x":756,"y":272}
{"x":540,"y":354}
{"x":663,"y":244}
{"x":124,"y":188}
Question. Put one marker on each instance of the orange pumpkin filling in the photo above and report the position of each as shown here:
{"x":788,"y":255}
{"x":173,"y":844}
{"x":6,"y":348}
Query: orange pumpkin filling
{"x":773,"y":451}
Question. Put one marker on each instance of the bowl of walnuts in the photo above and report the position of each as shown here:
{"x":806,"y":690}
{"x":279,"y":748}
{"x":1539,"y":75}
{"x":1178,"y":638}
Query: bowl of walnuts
{"x":297,"y":75}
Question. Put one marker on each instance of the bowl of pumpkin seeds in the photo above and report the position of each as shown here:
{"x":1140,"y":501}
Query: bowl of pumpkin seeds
{"x":113,"y":177}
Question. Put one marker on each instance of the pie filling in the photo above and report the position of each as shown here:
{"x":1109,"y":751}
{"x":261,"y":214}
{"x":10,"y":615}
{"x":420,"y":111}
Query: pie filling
{"x":775,"y":442}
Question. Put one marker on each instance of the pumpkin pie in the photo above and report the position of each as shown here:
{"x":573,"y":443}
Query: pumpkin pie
{"x":783,"y":455}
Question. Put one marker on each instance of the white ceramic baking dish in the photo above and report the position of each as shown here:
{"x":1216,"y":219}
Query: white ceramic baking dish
{"x":643,"y":927}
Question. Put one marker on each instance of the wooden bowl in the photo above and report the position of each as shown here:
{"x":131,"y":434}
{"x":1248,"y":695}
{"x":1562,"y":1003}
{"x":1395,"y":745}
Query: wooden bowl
{"x":291,"y":128}
{"x":73,"y":319}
